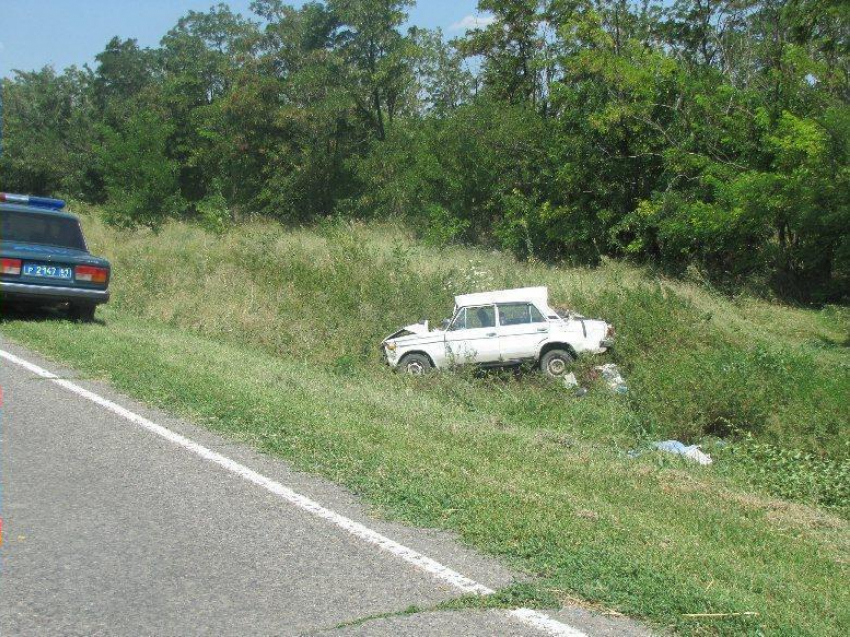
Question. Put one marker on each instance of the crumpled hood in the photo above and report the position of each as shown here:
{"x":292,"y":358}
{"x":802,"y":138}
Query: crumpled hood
{"x":416,"y":329}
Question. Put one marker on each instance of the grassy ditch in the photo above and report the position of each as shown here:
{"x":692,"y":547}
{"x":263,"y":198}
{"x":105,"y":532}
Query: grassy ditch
{"x":270,"y":336}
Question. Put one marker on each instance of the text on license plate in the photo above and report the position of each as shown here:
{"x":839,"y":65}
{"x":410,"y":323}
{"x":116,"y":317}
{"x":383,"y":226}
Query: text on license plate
{"x":48,"y":271}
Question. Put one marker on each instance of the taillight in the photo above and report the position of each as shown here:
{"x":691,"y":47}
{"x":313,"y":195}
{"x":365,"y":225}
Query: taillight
{"x":91,"y":274}
{"x":12,"y":267}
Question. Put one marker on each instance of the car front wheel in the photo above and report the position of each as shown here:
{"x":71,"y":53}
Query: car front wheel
{"x":556,"y":362}
{"x":415,"y":364}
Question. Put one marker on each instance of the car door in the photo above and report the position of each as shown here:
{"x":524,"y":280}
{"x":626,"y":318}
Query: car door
{"x":472,"y":336}
{"x":522,"y":329}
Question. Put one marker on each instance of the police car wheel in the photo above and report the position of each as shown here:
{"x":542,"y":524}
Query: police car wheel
{"x":82,"y":313}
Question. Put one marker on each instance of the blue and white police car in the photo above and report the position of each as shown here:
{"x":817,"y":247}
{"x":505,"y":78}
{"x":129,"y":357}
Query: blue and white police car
{"x":45,"y":260}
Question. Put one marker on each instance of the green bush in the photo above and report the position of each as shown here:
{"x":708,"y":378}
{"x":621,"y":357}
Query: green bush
{"x":141,"y":179}
{"x":796,"y":475}
{"x":213,"y":211}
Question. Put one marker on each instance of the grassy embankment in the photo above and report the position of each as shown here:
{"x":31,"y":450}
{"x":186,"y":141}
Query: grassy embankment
{"x":271,"y":336}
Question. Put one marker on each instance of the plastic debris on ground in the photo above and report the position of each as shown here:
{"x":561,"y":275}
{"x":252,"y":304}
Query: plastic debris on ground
{"x":571,"y":382}
{"x":613,"y":378}
{"x":692,"y":452}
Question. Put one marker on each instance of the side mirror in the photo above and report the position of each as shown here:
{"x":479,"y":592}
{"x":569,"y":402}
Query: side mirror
{"x":446,"y":323}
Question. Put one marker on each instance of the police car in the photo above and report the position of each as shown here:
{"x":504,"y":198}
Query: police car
{"x":45,"y":261}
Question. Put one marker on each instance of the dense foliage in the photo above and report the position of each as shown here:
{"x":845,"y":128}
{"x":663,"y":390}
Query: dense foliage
{"x":704,"y":134}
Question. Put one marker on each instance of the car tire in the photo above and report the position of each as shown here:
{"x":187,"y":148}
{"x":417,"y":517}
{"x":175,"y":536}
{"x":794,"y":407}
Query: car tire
{"x":556,"y":362}
{"x":82,"y":313}
{"x":415,"y":364}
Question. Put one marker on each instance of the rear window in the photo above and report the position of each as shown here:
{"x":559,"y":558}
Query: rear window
{"x":45,"y":229}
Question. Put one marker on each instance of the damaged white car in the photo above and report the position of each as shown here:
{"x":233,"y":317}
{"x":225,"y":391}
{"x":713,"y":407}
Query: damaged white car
{"x":502,"y":328}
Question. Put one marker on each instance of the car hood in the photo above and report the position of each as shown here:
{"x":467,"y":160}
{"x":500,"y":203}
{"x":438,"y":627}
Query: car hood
{"x":412,"y":332}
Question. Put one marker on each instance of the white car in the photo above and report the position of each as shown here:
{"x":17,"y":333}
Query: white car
{"x":502,"y":328}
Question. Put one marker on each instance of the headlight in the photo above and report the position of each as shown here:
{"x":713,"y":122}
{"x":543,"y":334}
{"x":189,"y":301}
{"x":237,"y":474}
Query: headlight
{"x":391,"y":347}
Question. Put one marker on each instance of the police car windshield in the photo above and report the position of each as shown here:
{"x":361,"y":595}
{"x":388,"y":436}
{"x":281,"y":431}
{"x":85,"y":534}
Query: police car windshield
{"x":43,"y":229}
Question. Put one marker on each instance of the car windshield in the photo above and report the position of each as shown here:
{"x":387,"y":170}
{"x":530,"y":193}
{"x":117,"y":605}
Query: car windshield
{"x":43,"y":229}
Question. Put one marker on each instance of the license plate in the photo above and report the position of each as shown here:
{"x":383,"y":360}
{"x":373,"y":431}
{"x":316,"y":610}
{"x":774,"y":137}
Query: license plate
{"x":43,"y":271}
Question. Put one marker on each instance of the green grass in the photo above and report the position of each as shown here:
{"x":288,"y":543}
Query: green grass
{"x":271,"y":338}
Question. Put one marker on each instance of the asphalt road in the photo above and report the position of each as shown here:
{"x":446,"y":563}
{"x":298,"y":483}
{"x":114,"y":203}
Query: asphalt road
{"x":110,"y":529}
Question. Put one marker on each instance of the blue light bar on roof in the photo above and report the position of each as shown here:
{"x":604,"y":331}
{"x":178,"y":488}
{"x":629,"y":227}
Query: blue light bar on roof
{"x":37,"y":202}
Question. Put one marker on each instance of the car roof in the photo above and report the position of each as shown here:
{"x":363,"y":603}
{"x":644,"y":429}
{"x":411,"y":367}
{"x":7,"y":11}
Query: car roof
{"x":539,"y":296}
{"x":14,"y":207}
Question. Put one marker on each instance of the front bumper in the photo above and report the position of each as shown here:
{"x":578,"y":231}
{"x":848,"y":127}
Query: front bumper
{"x":390,"y":356}
{"x":50,"y":293}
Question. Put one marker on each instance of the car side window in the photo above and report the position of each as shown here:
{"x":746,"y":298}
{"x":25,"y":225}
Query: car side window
{"x":478,"y":317}
{"x":519,"y":314}
{"x":472,"y":318}
{"x":536,"y":315}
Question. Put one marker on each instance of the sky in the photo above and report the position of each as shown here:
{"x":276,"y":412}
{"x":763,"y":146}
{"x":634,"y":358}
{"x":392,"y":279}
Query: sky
{"x":35,"y":33}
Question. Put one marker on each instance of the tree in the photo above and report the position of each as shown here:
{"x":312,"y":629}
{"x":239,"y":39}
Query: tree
{"x":510,"y":47}
{"x":443,"y":82}
{"x":141,"y":179}
{"x":123,"y":72}
{"x":202,"y":57}
{"x":49,"y":134}
{"x":376,"y":55}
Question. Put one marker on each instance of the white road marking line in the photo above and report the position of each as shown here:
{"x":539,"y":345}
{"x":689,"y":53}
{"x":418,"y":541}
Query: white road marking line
{"x":527,"y":616}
